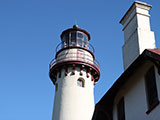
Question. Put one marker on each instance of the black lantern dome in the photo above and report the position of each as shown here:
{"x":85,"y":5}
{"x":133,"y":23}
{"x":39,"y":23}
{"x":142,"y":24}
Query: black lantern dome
{"x":75,"y":37}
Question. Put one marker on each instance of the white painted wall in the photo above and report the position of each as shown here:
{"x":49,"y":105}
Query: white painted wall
{"x":135,"y":97}
{"x":73,"y":102}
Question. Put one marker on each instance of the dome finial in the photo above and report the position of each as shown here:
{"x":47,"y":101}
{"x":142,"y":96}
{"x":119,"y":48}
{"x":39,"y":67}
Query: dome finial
{"x":75,"y":26}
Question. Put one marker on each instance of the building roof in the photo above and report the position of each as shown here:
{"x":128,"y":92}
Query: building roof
{"x":106,"y":101}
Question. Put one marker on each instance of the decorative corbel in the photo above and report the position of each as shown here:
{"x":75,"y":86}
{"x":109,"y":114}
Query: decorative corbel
{"x":66,"y":70}
{"x":73,"y":70}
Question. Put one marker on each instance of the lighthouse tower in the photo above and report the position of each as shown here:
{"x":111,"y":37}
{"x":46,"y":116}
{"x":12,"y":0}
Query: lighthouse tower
{"x":74,"y":72}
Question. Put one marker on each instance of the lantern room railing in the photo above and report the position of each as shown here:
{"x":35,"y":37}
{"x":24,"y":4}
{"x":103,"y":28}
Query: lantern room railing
{"x":75,"y":43}
{"x":74,"y":57}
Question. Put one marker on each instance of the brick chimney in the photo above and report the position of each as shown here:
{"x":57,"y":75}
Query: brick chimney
{"x":137,"y":32}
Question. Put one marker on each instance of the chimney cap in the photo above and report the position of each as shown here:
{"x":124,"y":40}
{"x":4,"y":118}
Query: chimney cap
{"x":138,"y":4}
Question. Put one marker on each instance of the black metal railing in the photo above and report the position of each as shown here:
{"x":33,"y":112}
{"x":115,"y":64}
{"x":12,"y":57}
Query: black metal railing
{"x":77,"y":43}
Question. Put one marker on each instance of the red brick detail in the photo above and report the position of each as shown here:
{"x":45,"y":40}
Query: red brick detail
{"x":85,"y":66}
{"x":92,"y":78}
{"x":81,"y":69}
{"x":81,"y":73}
{"x":94,"y":82}
{"x":96,"y":78}
{"x":73,"y":71}
{"x":66,"y":70}
{"x":87,"y":73}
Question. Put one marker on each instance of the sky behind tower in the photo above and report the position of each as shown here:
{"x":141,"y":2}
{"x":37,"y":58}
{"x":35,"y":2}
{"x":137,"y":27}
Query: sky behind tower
{"x":29,"y":33}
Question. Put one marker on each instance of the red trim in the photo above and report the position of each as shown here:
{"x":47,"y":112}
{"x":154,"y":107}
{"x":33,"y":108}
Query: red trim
{"x":92,"y":78}
{"x":77,"y":63}
{"x":66,"y":70}
{"x":73,"y":71}
{"x":96,"y":78}
{"x":81,"y":73}
{"x":82,"y":69}
{"x":94,"y":82}
{"x":87,"y":73}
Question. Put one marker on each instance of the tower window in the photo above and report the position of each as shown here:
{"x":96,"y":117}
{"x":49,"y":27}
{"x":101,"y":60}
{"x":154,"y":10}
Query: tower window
{"x":151,"y":89}
{"x":80,"y":82}
{"x":121,"y":109}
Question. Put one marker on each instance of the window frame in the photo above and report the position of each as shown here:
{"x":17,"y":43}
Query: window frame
{"x":150,"y":88}
{"x":81,"y":80}
{"x":121,"y":109}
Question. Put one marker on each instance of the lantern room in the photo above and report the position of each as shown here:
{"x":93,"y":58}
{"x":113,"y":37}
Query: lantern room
{"x":75,"y":50}
{"x":75,"y":37}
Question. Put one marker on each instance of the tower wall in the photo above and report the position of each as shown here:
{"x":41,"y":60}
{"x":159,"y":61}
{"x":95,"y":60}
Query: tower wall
{"x":73,"y":102}
{"x":74,"y":72}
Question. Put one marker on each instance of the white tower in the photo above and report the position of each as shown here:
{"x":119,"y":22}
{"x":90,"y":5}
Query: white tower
{"x":74,"y":71}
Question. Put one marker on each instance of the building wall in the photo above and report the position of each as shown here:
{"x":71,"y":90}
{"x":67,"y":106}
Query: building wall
{"x":135,"y":97}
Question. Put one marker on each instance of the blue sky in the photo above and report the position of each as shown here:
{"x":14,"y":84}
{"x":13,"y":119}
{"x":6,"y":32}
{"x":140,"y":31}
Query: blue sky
{"x":29,"y":33}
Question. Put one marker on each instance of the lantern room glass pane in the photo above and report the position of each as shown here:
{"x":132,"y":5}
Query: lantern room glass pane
{"x":65,"y":40}
{"x":72,"y":41}
{"x":64,"y":44}
{"x":73,"y":35}
{"x":80,"y":35}
{"x":80,"y":39}
{"x":66,"y":37}
{"x":80,"y":42}
{"x":75,"y":38}
{"x":85,"y":38}
{"x":86,"y":44}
